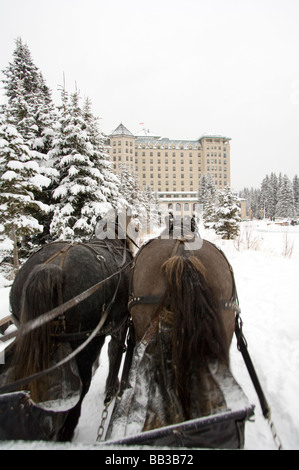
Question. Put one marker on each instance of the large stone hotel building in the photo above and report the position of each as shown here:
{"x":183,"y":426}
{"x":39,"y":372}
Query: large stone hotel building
{"x":172,"y":167}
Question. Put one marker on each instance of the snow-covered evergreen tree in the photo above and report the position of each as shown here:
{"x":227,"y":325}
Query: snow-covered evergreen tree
{"x":296,"y":194}
{"x":252,"y":197}
{"x":227,"y":214}
{"x":84,"y":190}
{"x":19,"y":178}
{"x":206,"y":188}
{"x":130,"y":190}
{"x":152,"y":208}
{"x":285,"y":199}
{"x":110,"y":182}
{"x":31,"y":108}
{"x":207,"y":196}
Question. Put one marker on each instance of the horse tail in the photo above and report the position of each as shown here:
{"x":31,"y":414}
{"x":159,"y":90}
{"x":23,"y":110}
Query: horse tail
{"x":198,"y":332}
{"x":33,"y":351}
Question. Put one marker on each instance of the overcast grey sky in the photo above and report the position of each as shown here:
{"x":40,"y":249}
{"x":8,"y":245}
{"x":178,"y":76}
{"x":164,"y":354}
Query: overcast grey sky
{"x":183,"y":68}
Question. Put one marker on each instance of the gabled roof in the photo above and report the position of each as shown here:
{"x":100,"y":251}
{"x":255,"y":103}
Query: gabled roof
{"x":122,"y":130}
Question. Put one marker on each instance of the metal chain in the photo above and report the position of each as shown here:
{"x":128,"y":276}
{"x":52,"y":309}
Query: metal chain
{"x":103,"y":420}
{"x":275,"y":436}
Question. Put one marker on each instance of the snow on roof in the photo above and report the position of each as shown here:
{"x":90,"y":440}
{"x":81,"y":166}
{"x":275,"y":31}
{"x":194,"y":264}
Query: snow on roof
{"x":122,"y":130}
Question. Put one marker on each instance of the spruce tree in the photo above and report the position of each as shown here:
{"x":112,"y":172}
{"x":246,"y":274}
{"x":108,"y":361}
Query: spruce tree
{"x":31,"y":110}
{"x":207,"y":196}
{"x":285,"y":199}
{"x":296,"y":194}
{"x":152,"y":208}
{"x":227,"y":215}
{"x":132,"y":196}
{"x":83,"y":190}
{"x":99,"y":157}
{"x":19,"y":178}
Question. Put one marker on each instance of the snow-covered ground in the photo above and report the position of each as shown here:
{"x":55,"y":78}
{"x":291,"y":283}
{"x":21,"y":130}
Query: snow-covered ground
{"x":267,"y":285}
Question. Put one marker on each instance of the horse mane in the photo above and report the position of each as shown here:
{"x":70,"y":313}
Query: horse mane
{"x":32,"y":350}
{"x":198,"y":331}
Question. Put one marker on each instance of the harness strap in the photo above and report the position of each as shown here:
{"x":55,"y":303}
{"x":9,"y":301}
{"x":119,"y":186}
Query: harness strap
{"x":242,"y":347}
{"x":111,"y":388}
{"x":146,"y":299}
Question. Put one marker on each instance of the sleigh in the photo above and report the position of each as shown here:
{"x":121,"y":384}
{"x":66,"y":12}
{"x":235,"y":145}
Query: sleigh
{"x":23,"y":419}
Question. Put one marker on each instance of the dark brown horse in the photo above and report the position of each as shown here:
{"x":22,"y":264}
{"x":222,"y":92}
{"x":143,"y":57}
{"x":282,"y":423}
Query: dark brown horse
{"x":55,"y":274}
{"x":182,"y":306}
